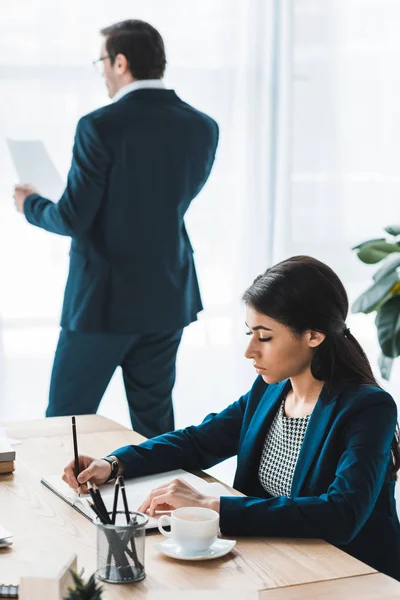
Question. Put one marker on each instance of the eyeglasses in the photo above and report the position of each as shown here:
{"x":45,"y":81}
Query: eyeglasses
{"x":99,"y":64}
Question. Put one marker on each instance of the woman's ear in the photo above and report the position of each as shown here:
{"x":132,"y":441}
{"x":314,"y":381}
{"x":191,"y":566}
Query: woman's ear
{"x":315,"y":338}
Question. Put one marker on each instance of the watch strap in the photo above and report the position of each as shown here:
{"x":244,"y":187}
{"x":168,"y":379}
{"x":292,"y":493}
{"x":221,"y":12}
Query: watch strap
{"x":114,"y":467}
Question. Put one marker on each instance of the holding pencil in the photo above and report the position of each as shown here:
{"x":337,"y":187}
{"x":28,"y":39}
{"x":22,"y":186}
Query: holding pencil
{"x":76,"y":455}
{"x":120,"y":561}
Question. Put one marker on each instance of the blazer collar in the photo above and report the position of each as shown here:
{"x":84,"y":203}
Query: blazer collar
{"x":318,"y":425}
{"x":320,"y":421}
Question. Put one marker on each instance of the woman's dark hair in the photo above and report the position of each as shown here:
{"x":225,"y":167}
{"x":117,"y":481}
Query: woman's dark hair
{"x":141,"y":44}
{"x":304,"y":293}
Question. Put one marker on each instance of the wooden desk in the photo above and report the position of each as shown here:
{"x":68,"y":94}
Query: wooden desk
{"x":363,"y":587}
{"x":61,"y":426}
{"x":43,"y":524}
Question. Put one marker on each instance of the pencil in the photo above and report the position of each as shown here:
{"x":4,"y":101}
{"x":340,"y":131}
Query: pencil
{"x":114,"y":511}
{"x":97,"y":501}
{"x":76,"y":455}
{"x":136,"y":560}
{"x":112,"y":539}
{"x":124,"y":498}
{"x":94,"y":509}
{"x":100,"y":504}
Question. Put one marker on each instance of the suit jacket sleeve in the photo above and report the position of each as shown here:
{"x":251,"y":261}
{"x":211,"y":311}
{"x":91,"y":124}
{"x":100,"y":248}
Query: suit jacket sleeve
{"x":204,"y":167}
{"x":193,"y":448}
{"x":338,"y":514}
{"x":87,"y":181}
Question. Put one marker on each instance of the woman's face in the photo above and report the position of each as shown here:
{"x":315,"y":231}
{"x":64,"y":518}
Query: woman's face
{"x":277,"y":353}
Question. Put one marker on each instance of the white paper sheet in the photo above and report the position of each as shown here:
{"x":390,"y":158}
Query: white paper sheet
{"x":34,"y":165}
{"x":136,"y":491}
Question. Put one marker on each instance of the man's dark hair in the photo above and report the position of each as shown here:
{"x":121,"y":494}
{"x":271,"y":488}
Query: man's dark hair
{"x":140,"y":43}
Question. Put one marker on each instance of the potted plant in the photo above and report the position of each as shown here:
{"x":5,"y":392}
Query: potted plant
{"x":383,"y":296}
{"x":82,"y":590}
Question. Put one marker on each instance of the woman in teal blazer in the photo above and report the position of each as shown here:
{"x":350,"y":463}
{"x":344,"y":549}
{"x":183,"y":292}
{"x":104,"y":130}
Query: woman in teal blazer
{"x":311,"y":372}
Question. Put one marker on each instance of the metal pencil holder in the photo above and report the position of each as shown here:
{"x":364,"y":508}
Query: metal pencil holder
{"x":120,"y":549}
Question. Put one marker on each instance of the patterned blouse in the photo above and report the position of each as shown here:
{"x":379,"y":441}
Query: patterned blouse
{"x":280,"y":453}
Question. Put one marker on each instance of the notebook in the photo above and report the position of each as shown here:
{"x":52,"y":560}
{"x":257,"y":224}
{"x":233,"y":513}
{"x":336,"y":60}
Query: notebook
{"x":7,"y":453}
{"x":136,"y":490}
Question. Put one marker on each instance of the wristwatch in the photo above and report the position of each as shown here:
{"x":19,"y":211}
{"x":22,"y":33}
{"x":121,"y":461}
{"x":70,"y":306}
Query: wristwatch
{"x":114,"y":467}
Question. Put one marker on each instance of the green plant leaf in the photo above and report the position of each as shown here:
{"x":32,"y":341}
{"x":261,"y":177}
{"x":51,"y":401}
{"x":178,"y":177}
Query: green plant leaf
{"x":391,"y":262}
{"x":368,"y":243}
{"x":385,"y":366}
{"x":82,"y":590}
{"x":375,"y":295}
{"x":393,"y":229}
{"x":375,"y":251}
{"x":388,"y":325}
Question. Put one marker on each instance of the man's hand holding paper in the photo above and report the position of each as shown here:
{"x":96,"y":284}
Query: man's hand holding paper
{"x":21,"y":192}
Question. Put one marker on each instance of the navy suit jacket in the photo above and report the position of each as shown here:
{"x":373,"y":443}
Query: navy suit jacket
{"x":341,"y":492}
{"x":137,"y":164}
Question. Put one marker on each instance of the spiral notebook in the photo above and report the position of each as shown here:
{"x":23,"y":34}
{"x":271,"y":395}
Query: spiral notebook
{"x":136,"y":490}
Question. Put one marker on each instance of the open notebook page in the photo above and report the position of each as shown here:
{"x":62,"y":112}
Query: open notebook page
{"x":136,"y":491}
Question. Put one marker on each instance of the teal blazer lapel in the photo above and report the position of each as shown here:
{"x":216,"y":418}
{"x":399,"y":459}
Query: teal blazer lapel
{"x":257,"y":429}
{"x":318,"y":426}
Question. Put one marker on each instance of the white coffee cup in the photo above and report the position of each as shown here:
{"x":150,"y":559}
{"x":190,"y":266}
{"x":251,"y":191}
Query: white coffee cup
{"x":193,"y":529}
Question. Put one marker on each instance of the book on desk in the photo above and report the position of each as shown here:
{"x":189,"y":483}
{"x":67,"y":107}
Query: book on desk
{"x":7,"y":457}
{"x":136,"y":490}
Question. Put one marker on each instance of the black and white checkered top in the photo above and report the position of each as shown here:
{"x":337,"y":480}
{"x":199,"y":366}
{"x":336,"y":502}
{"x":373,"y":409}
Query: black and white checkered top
{"x":281,"y":450}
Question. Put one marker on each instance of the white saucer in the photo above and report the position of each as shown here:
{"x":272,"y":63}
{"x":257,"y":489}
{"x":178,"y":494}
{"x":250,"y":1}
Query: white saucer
{"x":219,"y":548}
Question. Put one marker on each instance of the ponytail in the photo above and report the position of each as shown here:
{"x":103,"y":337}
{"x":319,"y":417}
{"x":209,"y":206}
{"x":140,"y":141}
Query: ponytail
{"x":341,"y":358}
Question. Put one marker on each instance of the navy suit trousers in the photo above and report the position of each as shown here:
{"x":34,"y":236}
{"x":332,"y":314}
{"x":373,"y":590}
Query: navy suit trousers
{"x":85,"y":362}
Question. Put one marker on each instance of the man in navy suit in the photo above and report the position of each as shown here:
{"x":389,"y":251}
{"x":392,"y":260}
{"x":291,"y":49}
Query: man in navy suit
{"x":132,"y":286}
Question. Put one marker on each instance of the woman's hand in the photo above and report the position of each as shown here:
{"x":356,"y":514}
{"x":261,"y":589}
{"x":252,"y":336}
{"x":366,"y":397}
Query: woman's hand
{"x":176,"y":494}
{"x":95,"y":469}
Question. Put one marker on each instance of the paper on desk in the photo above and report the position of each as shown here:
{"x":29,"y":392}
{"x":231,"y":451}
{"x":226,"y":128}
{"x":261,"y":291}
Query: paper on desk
{"x":135,"y":500}
{"x":13,"y":441}
{"x":7,"y":439}
{"x":34,"y":165}
{"x":136,"y":490}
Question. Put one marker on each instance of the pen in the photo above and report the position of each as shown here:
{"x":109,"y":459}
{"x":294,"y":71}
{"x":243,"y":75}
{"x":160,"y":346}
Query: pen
{"x":76,"y":455}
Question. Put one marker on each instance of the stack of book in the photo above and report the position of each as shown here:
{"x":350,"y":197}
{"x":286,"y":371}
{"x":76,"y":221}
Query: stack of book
{"x":7,"y":457}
